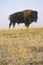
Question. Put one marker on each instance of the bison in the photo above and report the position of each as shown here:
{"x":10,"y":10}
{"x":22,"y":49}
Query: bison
{"x":25,"y":16}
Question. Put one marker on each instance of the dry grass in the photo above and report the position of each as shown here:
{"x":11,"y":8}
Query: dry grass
{"x":21,"y":46}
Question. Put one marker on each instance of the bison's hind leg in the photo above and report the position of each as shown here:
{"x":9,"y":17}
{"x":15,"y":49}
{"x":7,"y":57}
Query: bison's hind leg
{"x":10,"y":24}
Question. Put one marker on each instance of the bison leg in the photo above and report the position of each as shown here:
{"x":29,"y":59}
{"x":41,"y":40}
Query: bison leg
{"x":27,"y":22}
{"x":26,"y":25}
{"x":10,"y":24}
{"x":13,"y":24}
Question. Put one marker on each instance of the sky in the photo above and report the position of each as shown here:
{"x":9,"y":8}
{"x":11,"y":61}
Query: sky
{"x":8,"y":7}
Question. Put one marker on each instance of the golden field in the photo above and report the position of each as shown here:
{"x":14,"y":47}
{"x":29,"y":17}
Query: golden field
{"x":21,"y":46}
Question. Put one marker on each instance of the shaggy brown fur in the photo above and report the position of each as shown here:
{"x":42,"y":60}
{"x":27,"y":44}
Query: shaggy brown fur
{"x":26,"y":13}
{"x":25,"y":16}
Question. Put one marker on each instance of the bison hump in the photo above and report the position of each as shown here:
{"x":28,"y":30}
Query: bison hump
{"x":26,"y":13}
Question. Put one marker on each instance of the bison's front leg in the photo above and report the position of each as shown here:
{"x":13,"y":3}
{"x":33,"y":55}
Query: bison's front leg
{"x":27,"y":25}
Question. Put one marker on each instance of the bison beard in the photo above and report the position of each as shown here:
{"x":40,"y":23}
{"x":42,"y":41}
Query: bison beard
{"x":26,"y":16}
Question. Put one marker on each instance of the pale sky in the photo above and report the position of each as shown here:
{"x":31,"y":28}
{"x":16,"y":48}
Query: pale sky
{"x":8,"y":7}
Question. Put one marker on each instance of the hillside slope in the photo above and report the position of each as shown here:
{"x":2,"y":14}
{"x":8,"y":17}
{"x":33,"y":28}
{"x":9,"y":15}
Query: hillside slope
{"x":21,"y":46}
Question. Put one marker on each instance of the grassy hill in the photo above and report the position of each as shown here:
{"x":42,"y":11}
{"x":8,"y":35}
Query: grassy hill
{"x":21,"y":46}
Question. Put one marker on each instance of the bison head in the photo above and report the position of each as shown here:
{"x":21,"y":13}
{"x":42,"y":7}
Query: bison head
{"x":34,"y":16}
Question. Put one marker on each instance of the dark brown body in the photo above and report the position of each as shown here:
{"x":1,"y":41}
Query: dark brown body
{"x":26,"y":17}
